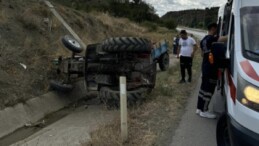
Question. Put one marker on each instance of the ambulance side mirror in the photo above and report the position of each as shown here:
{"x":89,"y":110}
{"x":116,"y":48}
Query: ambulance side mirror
{"x":219,"y":50}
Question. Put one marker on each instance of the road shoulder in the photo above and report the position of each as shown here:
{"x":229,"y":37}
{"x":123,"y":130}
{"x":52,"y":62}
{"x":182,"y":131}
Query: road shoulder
{"x":194,"y":130}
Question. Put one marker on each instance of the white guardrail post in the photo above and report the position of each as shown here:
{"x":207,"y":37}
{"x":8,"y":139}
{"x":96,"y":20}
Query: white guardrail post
{"x":123,"y":109}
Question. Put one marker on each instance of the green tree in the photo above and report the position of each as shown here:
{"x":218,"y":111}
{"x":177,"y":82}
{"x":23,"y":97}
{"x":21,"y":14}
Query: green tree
{"x":170,"y":24}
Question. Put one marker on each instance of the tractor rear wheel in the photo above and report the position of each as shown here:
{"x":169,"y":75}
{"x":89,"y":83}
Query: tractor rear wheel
{"x":112,"y":97}
{"x":164,"y":62}
{"x":126,"y":44}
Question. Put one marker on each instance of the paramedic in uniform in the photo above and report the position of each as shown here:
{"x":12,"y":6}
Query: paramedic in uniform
{"x":209,"y":74}
{"x":186,"y":50}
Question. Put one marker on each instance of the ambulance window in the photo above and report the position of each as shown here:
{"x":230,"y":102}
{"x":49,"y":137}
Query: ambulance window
{"x":226,"y":20}
{"x":232,"y":45}
{"x":219,"y":26}
{"x":225,"y":25}
{"x":249,"y":17}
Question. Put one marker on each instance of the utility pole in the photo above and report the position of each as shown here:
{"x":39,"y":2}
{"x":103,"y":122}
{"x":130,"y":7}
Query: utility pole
{"x":71,"y":31}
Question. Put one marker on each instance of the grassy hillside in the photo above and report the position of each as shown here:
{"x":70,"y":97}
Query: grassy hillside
{"x":30,"y":35}
{"x":198,"y":18}
{"x":139,"y":11}
{"x":136,"y":10}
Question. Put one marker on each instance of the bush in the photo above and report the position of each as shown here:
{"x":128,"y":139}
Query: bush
{"x":201,"y":25}
{"x":150,"y":25}
{"x":170,"y":24}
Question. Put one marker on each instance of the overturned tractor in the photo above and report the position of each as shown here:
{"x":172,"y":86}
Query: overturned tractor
{"x":103,"y":63}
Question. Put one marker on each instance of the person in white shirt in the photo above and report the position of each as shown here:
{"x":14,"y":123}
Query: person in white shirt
{"x":187,"y":48}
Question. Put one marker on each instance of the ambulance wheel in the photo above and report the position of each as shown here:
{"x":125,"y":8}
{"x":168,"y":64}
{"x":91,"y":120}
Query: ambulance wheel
{"x":223,"y":138}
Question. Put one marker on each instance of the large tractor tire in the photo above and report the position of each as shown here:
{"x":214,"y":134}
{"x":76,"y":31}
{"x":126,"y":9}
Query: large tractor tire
{"x":164,"y":62}
{"x":91,"y":53}
{"x":126,"y":44}
{"x":111,"y":97}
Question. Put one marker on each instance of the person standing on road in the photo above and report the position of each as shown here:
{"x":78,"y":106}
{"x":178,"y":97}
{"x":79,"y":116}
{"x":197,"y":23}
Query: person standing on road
{"x":187,"y":48}
{"x":175,"y":44}
{"x":209,"y":74}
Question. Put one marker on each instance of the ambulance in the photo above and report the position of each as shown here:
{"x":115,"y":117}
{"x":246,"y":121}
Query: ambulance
{"x":238,"y":59}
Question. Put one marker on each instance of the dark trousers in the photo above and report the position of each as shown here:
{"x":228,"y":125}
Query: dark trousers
{"x":186,"y":63}
{"x":175,"y":47}
{"x":207,"y":89}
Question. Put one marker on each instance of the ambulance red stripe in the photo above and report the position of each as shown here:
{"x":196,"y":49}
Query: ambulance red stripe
{"x":249,"y":70}
{"x":232,"y":87}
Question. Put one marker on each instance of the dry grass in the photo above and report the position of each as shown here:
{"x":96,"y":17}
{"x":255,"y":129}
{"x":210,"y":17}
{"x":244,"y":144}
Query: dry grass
{"x":28,"y":20}
{"x":153,"y":122}
{"x":118,"y":22}
{"x":2,"y":16}
{"x":124,"y":27}
{"x":27,"y":42}
{"x":32,"y":18}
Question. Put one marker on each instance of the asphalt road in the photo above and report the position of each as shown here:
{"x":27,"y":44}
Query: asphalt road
{"x":194,"y":130}
{"x":197,"y":33}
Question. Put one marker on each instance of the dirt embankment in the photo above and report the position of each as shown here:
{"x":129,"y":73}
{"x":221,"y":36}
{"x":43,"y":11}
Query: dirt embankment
{"x":30,"y":35}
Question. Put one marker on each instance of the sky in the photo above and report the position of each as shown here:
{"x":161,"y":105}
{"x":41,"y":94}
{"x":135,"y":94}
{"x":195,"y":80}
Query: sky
{"x":163,"y":6}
